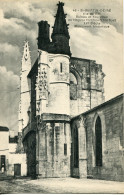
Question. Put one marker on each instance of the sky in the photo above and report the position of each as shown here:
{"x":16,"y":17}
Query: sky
{"x":18,"y":22}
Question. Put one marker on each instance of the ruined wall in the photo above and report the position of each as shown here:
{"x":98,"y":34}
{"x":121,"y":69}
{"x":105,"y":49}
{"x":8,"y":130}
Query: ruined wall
{"x":90,"y":85}
{"x":53,"y":155}
{"x":111,"y":116}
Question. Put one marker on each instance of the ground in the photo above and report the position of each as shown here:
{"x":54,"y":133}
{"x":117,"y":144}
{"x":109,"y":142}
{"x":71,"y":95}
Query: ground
{"x":57,"y":185}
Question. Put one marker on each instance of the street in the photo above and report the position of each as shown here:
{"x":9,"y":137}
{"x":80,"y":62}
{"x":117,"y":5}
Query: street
{"x":60,"y":185}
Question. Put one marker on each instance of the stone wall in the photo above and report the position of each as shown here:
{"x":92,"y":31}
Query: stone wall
{"x":80,"y":170}
{"x":111,"y":116}
{"x":29,"y":132}
{"x":53,"y":154}
{"x":25,"y":88}
{"x":58,"y":99}
{"x":29,"y":143}
{"x":90,"y":85}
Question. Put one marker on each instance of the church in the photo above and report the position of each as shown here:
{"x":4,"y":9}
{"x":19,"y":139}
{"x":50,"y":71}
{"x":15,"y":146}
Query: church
{"x":68,"y":130}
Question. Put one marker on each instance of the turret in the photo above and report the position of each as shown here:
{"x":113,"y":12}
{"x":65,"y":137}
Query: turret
{"x":60,"y":36}
{"x":43,"y":35}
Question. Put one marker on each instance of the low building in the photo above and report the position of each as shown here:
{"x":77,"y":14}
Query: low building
{"x":4,"y":149}
{"x":12,"y":161}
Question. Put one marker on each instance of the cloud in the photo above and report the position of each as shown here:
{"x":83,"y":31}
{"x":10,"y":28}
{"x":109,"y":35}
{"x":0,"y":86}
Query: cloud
{"x":17,"y":23}
{"x":10,"y":56}
{"x":9,"y":49}
{"x":9,"y":96}
{"x":28,"y":10}
{"x":15,"y":26}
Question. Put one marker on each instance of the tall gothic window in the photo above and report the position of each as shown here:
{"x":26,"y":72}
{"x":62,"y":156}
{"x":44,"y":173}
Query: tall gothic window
{"x":73,"y":87}
{"x":60,"y":67}
{"x":76,"y":150}
{"x":98,"y":138}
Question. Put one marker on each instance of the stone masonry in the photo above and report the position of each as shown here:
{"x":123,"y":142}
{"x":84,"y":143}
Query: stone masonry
{"x":111,"y":115}
{"x":58,"y":139}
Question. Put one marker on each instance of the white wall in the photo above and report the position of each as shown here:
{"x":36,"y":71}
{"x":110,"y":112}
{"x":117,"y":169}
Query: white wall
{"x":12,"y":147}
{"x":4,"y":140}
{"x":17,"y":159}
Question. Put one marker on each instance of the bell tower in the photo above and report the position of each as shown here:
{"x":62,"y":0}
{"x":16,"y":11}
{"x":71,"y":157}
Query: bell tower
{"x":24,"y":105}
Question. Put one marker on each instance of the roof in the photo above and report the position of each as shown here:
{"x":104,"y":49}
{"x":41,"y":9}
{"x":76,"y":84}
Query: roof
{"x":4,"y":128}
{"x":60,"y":25}
{"x":100,"y":106}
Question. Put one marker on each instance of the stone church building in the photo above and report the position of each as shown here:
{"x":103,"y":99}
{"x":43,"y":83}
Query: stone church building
{"x":67,"y":128}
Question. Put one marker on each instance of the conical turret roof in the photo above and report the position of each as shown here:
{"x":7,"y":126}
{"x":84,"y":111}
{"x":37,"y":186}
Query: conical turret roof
{"x":60,"y":25}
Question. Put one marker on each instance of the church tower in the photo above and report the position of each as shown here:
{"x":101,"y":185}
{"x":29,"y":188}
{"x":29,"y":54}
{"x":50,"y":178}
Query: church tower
{"x":24,"y":105}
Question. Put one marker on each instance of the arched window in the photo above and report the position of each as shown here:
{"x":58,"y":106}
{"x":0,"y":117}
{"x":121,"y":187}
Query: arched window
{"x":76,"y":151}
{"x":73,"y":87}
{"x":98,"y":138}
{"x":73,"y":79}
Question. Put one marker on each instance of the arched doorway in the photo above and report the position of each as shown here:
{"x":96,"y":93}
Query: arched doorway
{"x":98,"y":142}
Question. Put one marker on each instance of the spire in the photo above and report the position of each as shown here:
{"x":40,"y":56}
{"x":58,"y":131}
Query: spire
{"x":60,"y":36}
{"x":60,"y":25}
{"x":26,"y":59}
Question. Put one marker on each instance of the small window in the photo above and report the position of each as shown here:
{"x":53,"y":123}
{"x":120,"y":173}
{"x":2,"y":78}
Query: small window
{"x":60,"y":67}
{"x":64,"y":128}
{"x":65,"y":149}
